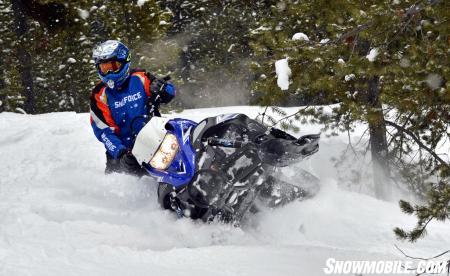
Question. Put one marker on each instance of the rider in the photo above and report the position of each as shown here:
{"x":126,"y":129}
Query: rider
{"x":121,"y":102}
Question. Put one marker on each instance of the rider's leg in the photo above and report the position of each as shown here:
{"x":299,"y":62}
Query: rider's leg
{"x":112,"y":165}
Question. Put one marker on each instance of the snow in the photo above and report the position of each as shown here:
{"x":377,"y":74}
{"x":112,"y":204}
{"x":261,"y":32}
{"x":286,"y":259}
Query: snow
{"x":71,"y":60}
{"x":324,"y":41}
{"x":60,"y":215}
{"x":349,"y":77}
{"x":404,"y":62}
{"x":260,"y":30}
{"x":20,"y":110}
{"x":84,"y":14}
{"x":372,"y":54}
{"x":283,"y":73}
{"x":300,"y":36}
{"x":140,"y":3}
{"x":434,"y":81}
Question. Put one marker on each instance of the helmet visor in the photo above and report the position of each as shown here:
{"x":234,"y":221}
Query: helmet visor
{"x":112,"y":66}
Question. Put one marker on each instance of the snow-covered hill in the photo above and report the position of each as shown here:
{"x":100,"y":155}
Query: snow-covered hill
{"x":60,"y":215}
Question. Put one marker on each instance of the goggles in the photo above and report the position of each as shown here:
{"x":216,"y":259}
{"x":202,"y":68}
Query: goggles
{"x":112,"y":66}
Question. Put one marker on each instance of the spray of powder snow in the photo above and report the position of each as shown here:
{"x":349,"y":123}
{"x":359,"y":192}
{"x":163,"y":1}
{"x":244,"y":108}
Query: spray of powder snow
{"x":203,"y":88}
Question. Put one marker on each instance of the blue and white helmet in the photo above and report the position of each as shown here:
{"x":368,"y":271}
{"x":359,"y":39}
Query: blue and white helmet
{"x":113,"y":50}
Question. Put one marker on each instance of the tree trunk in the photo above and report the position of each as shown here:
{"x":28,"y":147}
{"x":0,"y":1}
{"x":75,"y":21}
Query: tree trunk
{"x":24,"y":57}
{"x":378,"y":141}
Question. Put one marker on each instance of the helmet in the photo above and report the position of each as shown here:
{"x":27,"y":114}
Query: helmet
{"x":112,"y":60}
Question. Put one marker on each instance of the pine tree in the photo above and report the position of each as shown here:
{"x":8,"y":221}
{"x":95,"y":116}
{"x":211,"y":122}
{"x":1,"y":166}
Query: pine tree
{"x":437,"y":208}
{"x":61,"y":36}
{"x":371,"y":57}
{"x":21,"y":29}
{"x":10,"y":87}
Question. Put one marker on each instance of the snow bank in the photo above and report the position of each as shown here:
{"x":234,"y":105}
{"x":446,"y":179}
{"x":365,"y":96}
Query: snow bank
{"x":60,"y":215}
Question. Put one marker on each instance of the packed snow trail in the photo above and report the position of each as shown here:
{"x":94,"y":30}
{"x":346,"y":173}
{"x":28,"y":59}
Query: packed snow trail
{"x":60,"y":215}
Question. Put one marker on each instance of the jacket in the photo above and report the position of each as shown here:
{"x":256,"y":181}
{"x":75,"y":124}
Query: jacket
{"x":117,"y":114}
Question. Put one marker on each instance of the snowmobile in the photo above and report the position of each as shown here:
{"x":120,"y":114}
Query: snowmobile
{"x":223,"y":167}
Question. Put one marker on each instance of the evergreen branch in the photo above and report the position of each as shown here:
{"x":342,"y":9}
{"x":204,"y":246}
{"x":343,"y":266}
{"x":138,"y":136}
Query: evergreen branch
{"x":413,"y":10}
{"x":292,"y":115}
{"x":354,"y":46}
{"x":417,"y":7}
{"x":350,"y":143}
{"x":410,"y":13}
{"x":362,"y":136}
{"x":438,"y":208}
{"x":417,"y":140}
{"x":272,"y":120}
{"x":278,"y":110}
{"x":262,"y":114}
{"x":404,"y":125}
{"x":402,"y":29}
{"x":354,"y":31}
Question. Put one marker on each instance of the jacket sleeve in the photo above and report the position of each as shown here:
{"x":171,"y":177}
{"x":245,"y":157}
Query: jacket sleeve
{"x":105,"y":129}
{"x":168,"y":93}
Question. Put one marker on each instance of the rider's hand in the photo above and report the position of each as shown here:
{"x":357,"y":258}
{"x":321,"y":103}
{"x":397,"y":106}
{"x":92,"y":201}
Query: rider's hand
{"x":163,"y":88}
{"x":129,"y":163}
{"x":157,"y":86}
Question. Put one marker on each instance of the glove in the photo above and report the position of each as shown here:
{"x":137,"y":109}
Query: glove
{"x":128,"y":163}
{"x":157,"y":86}
{"x":163,"y":88}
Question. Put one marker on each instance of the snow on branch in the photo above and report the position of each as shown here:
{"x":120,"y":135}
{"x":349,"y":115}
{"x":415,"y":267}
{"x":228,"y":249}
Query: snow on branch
{"x":283,"y":73}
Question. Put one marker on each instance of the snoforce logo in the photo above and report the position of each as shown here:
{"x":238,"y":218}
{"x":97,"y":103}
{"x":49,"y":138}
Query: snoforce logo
{"x":127,"y":99}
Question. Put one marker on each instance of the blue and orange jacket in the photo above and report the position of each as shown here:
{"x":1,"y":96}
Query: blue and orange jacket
{"x":115,"y":114}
